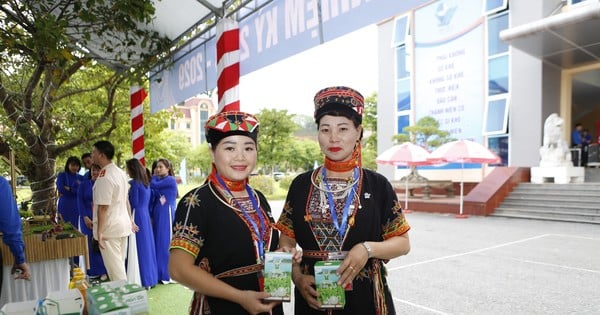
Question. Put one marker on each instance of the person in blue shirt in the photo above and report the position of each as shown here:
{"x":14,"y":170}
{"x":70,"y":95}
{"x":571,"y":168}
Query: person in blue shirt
{"x":67,"y":184}
{"x":85,"y":204}
{"x":12,"y":236}
{"x":577,"y":142}
{"x":576,"y":136}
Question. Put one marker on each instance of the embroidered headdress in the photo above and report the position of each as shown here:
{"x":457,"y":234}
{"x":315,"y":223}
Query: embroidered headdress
{"x":341,"y":99}
{"x":227,"y":124}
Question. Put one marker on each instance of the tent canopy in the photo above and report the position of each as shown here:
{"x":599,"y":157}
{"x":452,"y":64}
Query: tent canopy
{"x":180,"y":21}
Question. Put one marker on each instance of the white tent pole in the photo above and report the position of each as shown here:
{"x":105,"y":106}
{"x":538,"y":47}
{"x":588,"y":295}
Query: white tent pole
{"x":462,"y":167}
{"x":406,"y":193}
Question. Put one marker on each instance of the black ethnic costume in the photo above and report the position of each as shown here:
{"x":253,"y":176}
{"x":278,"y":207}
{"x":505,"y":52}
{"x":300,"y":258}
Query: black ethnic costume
{"x":212,"y":228}
{"x":375,"y":215}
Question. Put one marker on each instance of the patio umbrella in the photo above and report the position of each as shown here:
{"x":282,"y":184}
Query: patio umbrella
{"x":463,"y":151}
{"x":405,"y":154}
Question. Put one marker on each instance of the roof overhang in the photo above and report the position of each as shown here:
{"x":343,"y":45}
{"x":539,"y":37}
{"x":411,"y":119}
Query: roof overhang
{"x":568,"y":39}
{"x":181,"y":22}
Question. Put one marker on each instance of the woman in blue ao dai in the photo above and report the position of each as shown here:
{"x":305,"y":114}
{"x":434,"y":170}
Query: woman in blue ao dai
{"x":85,"y":198}
{"x":164,"y":199}
{"x":67,"y":183}
{"x":139,"y":199}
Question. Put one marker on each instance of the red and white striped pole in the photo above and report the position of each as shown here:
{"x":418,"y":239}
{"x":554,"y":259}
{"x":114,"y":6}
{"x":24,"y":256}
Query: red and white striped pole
{"x":136,"y":97}
{"x":228,"y":65}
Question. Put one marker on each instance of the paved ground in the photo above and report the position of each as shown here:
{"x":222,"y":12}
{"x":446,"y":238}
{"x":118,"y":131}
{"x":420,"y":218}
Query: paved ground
{"x":486,"y":265}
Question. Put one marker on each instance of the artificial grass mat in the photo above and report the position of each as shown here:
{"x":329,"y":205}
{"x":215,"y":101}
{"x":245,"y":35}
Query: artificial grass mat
{"x":170,"y":298}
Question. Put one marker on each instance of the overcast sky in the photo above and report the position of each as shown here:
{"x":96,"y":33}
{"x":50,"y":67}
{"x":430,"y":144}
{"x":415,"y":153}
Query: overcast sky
{"x":292,"y":83}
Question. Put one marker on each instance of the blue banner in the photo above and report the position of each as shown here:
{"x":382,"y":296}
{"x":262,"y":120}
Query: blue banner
{"x":279,"y":30}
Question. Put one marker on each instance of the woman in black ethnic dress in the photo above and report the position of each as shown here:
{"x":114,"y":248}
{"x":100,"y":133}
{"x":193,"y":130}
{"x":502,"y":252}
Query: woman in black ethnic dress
{"x":223,"y":227}
{"x":342,"y":207}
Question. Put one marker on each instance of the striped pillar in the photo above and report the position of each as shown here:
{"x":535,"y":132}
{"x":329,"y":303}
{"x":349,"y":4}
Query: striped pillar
{"x":228,"y":65}
{"x":136,"y":97}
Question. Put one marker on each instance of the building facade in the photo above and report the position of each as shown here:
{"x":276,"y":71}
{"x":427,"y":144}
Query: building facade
{"x":490,"y":71}
{"x":190,"y":117}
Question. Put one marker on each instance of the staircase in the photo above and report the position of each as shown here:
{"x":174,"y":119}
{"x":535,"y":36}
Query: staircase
{"x":555,"y":202}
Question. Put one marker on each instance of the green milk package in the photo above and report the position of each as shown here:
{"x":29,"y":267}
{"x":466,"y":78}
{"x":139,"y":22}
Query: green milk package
{"x":278,"y":276}
{"x":331,"y":294}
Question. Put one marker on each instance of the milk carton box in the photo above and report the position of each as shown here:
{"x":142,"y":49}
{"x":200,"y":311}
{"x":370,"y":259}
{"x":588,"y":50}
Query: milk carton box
{"x":20,"y":308}
{"x":136,"y":297}
{"x":69,"y":302}
{"x":278,"y":276}
{"x":108,"y":304}
{"x":331,"y":294}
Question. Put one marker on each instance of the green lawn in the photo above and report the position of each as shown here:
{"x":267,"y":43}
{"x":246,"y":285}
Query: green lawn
{"x":169,"y":299}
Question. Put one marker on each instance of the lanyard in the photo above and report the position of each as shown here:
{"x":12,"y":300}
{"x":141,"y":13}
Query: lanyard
{"x":341,"y":229}
{"x":260,"y":243}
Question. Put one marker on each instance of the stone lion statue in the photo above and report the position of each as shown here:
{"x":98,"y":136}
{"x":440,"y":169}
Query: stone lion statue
{"x":554,"y":151}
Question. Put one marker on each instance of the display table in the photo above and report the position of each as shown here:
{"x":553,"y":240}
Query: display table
{"x":48,"y":264}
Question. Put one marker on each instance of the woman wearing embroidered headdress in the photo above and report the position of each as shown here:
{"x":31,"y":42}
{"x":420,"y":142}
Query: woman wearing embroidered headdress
{"x":223,"y":228}
{"x":342,"y":207}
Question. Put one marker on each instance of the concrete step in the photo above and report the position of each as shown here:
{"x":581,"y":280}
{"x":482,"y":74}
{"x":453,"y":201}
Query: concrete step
{"x":518,"y":196}
{"x":592,"y":207}
{"x":583,"y":187}
{"x":558,"y":202}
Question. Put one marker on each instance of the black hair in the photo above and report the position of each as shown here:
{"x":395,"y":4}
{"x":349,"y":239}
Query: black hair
{"x":167,"y":164}
{"x":137,"y":171}
{"x":106,"y":148}
{"x":86,"y":155}
{"x":94,"y":166}
{"x":72,"y":160}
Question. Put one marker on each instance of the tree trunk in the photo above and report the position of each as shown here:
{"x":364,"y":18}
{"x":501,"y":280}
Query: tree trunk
{"x":41,"y":172}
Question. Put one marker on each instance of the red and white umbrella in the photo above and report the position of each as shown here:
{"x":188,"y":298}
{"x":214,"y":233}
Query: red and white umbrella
{"x":405,"y":154}
{"x":463,"y":151}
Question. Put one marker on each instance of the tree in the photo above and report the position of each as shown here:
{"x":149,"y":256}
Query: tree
{"x":200,"y":159}
{"x":276,"y":129}
{"x":426,"y":133}
{"x":301,"y":154}
{"x":369,"y":124}
{"x":55,"y":95}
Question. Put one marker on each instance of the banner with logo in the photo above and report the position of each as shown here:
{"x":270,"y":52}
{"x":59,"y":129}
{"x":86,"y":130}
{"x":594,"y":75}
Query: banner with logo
{"x":279,"y":30}
{"x":449,"y":66}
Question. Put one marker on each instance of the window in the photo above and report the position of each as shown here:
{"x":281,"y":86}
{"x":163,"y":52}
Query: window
{"x":493,"y":6}
{"x":403,"y":121}
{"x":402,"y":63}
{"x":496,"y":116}
{"x":495,"y":25}
{"x":401,"y":31}
{"x":403,"y":94}
{"x":498,"y":75}
{"x":499,"y":145}
{"x":172,"y":124}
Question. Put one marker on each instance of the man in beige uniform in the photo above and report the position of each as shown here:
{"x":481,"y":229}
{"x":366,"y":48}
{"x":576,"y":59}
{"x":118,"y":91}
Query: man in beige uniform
{"x":112,"y":213}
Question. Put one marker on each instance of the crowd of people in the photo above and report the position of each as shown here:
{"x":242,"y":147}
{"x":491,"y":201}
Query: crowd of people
{"x":215,"y":239}
{"x":117,"y":208}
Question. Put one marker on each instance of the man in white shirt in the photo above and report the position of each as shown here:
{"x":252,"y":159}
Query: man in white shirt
{"x":112,"y":214}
